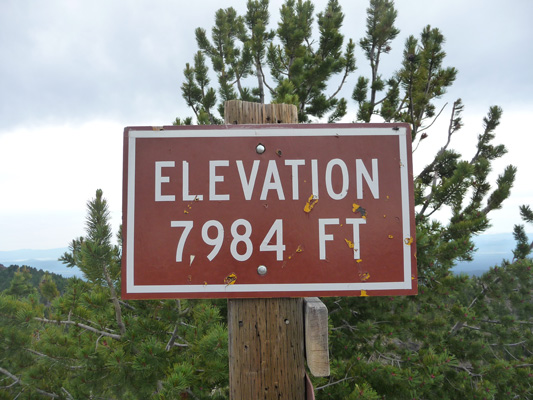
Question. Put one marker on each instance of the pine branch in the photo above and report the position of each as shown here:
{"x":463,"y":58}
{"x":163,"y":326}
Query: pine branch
{"x":15,"y":379}
{"x":435,"y":119}
{"x":523,"y":366}
{"x":511,"y":344}
{"x":272,"y":91}
{"x":114,"y":298}
{"x":456,"y":327}
{"x":72,"y":368}
{"x":488,"y":321}
{"x":392,"y":360}
{"x":429,"y":197}
{"x":88,"y":321}
{"x":485,"y":288}
{"x":51,"y":395}
{"x":127,"y":305}
{"x":190,"y":393}
{"x":463,"y":368}
{"x":346,"y":72}
{"x":172,"y":341}
{"x":431,"y":166}
{"x":69,"y":396}
{"x":83,"y":326}
{"x":460,"y":324}
{"x":346,"y":378}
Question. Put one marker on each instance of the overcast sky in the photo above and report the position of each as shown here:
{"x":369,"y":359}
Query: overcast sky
{"x":74,"y":73}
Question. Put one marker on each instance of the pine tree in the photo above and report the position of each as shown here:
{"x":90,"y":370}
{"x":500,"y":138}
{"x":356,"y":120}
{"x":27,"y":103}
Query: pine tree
{"x":523,"y":246}
{"x":21,"y":284}
{"x":256,"y":19}
{"x":87,"y":343}
{"x":48,"y":289}
{"x":450,"y":341}
{"x":240,"y":46}
{"x":379,"y":36}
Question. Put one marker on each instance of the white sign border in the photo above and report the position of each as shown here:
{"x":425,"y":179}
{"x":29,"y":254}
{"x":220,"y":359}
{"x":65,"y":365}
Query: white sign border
{"x":273,"y":131}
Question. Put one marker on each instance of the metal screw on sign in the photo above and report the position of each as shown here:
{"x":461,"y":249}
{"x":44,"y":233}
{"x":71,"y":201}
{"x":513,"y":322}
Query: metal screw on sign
{"x":260,"y":149}
{"x":262,"y":270}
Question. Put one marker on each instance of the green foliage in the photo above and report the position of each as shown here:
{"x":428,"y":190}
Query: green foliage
{"x":21,"y":284}
{"x":380,"y":32}
{"x":48,"y":288}
{"x":526,"y":213}
{"x":462,"y":187}
{"x":36,"y":276}
{"x":197,"y":94}
{"x":242,"y":46}
{"x":523,"y":247}
{"x":301,"y":66}
{"x":185,"y":121}
{"x":87,"y":343}
{"x":461,"y":337}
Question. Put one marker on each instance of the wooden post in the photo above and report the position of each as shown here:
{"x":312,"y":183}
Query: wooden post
{"x":316,"y":336}
{"x":266,"y":336}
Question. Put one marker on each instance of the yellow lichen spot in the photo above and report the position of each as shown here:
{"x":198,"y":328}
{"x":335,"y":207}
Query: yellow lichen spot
{"x":356,"y":208}
{"x":290,"y":257}
{"x":364,"y":276}
{"x":230,"y":279}
{"x":409,"y":241}
{"x":358,"y":260}
{"x":205,"y":283}
{"x":299,"y":249}
{"x":349,"y":243}
{"x":311,"y":202}
{"x":384,"y":215}
{"x":391,"y":237}
{"x":363,"y":293}
{"x":185,"y":212}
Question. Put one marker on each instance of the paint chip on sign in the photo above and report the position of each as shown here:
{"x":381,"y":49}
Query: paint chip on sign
{"x":311,"y":202}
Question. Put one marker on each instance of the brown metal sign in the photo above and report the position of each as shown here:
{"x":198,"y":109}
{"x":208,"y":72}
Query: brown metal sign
{"x":268,"y":211}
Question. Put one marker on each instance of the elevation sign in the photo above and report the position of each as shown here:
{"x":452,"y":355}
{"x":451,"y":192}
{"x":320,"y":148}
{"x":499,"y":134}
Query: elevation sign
{"x":268,"y":211}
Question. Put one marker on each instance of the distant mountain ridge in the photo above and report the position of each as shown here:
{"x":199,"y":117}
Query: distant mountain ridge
{"x":492,"y":250}
{"x":46,"y":259}
{"x":33,"y":254}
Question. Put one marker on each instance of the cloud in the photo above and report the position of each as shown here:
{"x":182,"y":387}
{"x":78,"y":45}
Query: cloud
{"x":74,"y":73}
{"x":73,"y":60}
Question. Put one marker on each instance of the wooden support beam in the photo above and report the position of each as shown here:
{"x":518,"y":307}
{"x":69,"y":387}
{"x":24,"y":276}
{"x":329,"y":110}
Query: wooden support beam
{"x":266,"y":349}
{"x":238,"y":112}
{"x":266,"y":336}
{"x":316,"y":336}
